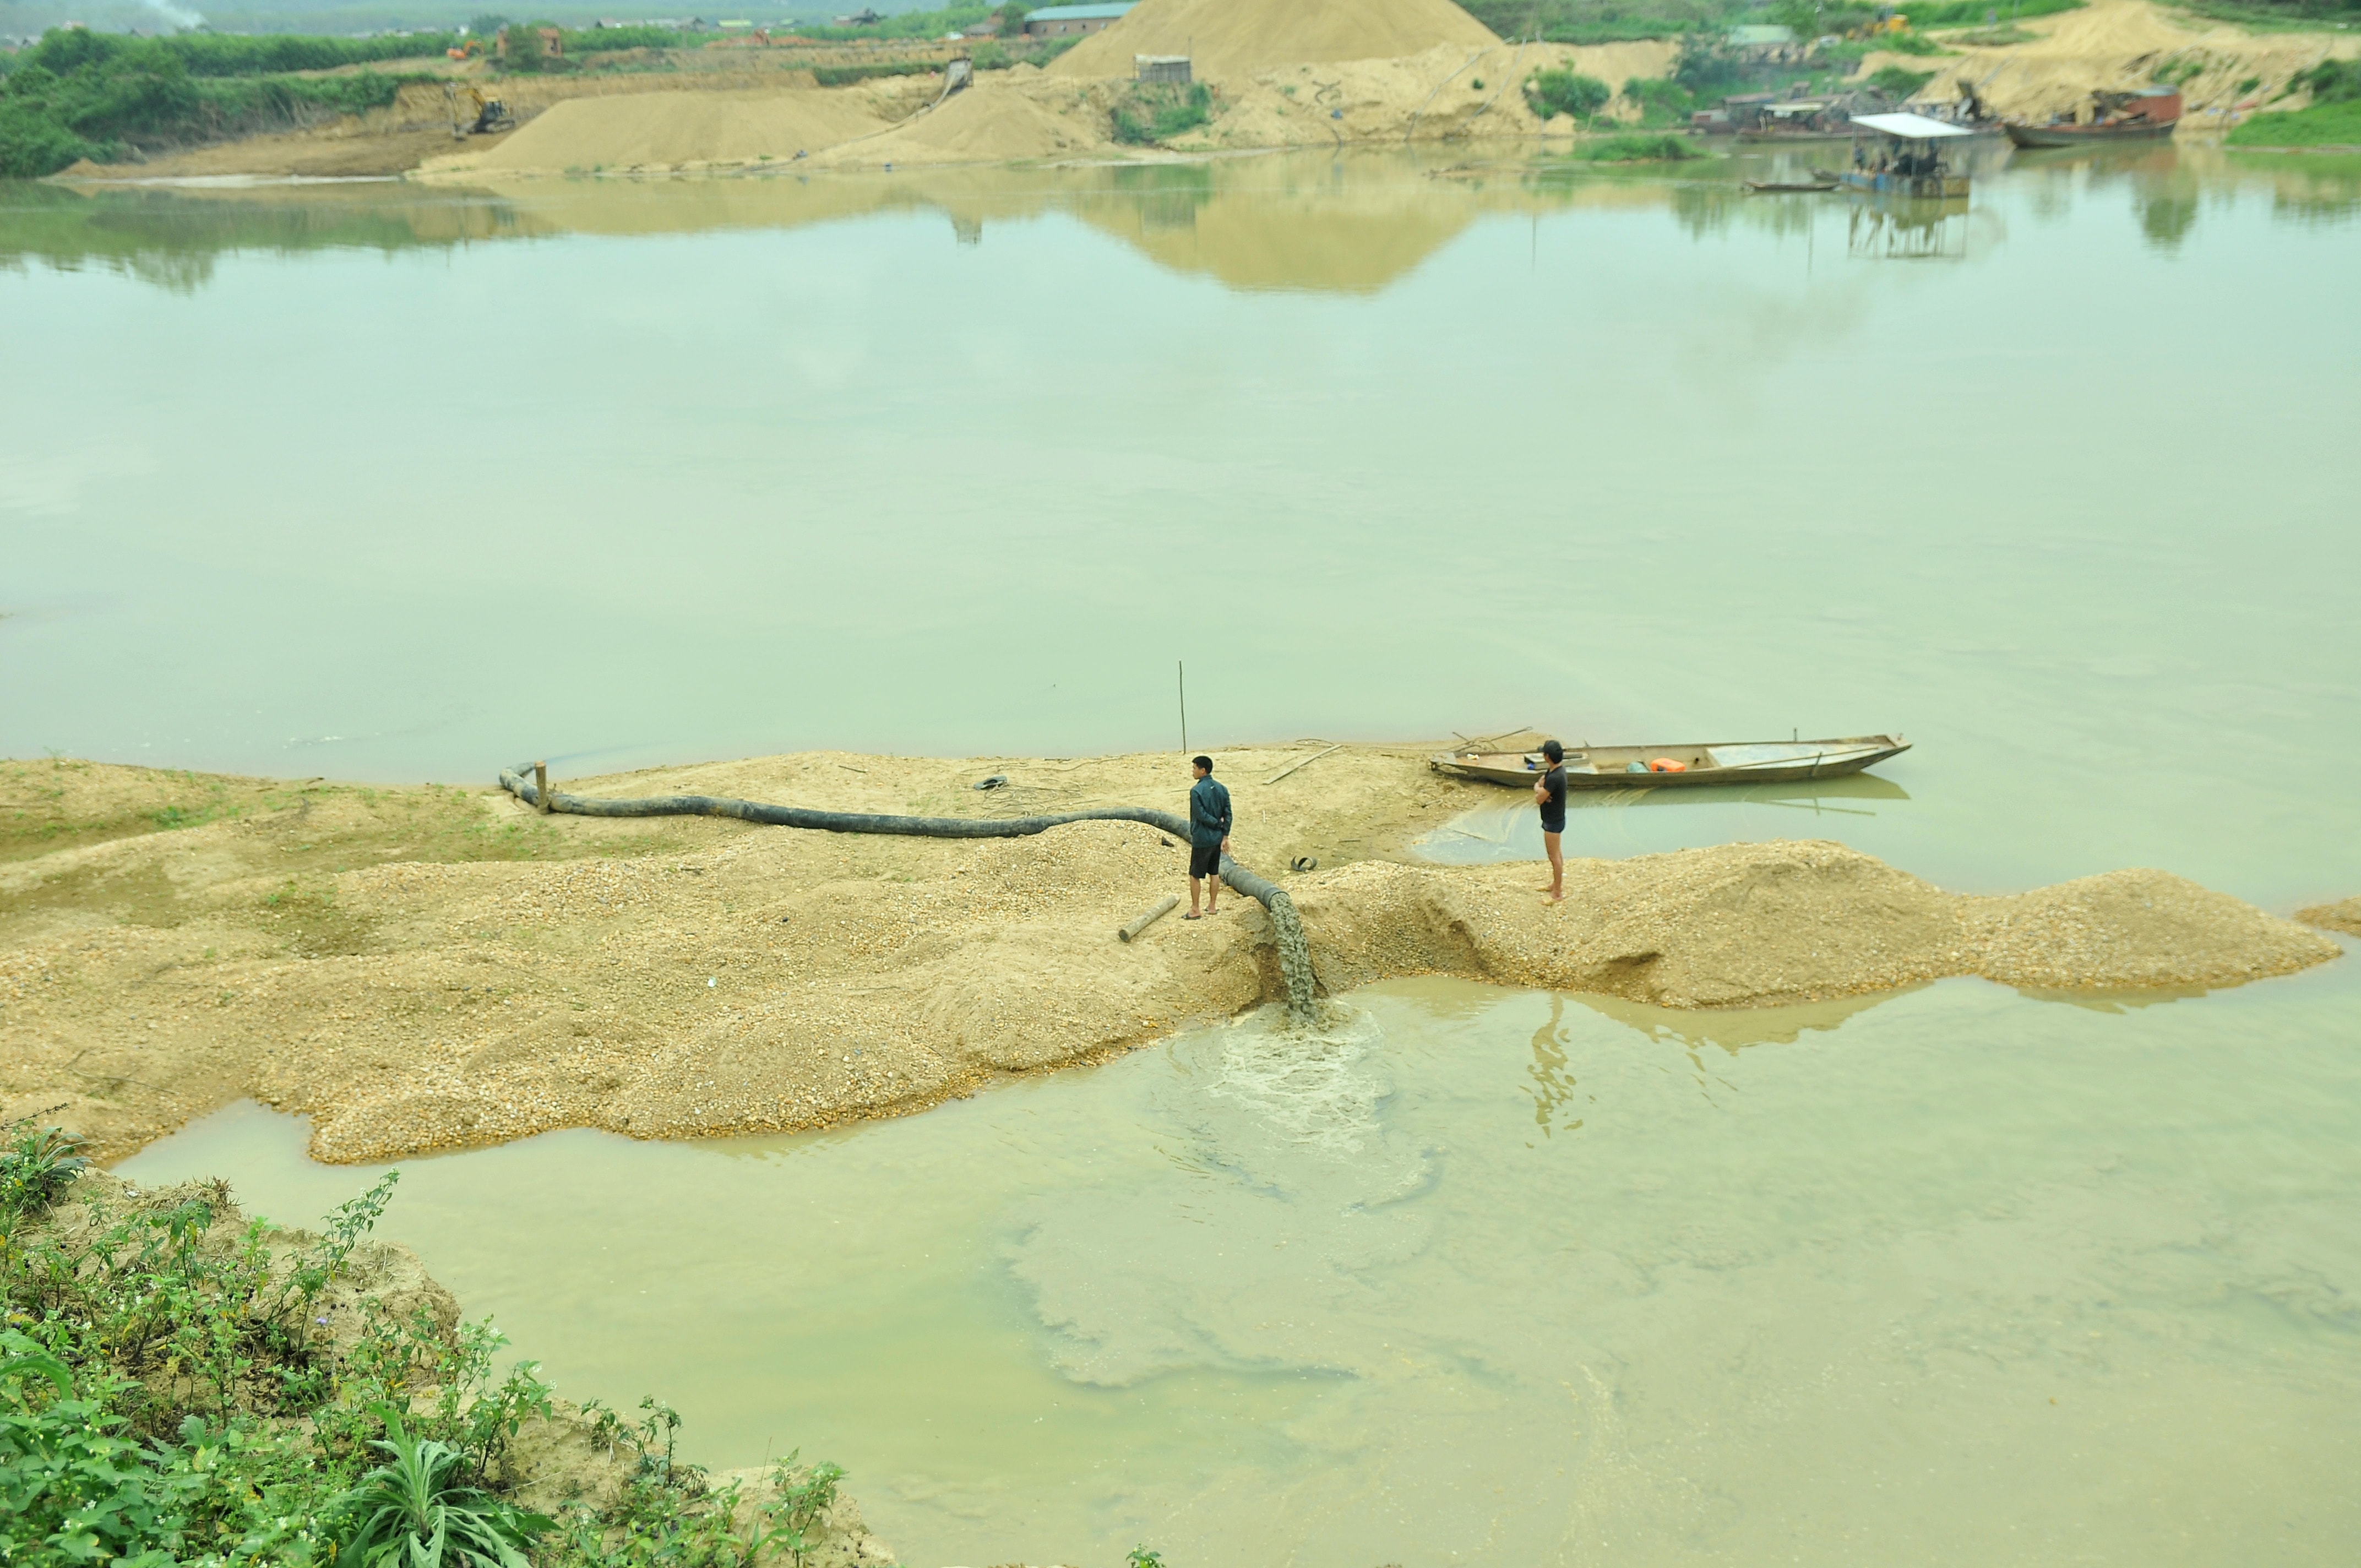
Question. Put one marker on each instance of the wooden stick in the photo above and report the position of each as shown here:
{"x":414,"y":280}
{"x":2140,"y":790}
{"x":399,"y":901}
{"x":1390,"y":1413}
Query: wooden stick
{"x":541,"y":787}
{"x":1305,"y":763}
{"x":1139,"y":923}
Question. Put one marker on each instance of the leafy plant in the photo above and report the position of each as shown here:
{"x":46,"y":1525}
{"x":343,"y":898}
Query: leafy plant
{"x":1898,"y":83}
{"x":1156,"y":112}
{"x":1140,"y":1557}
{"x":417,"y":1510}
{"x":794,"y":1516}
{"x":1662,"y":103}
{"x":1555,"y":92}
{"x":37,"y":1166}
{"x":1637,"y":149}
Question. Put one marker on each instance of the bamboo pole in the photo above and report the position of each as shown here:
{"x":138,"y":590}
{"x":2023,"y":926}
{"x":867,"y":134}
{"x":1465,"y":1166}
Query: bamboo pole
{"x":1139,"y":923}
{"x":1304,"y":763}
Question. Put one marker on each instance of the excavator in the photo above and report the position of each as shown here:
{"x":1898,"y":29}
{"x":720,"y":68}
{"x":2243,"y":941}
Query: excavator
{"x":492,"y":114}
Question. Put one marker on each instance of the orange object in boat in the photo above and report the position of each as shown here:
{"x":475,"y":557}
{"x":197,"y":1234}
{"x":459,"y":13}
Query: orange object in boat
{"x":1666,"y":765}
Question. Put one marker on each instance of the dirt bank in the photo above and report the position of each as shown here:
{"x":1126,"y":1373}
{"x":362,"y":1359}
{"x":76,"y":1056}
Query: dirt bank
{"x":432,"y":966}
{"x":2121,"y":44}
{"x":1230,"y":40}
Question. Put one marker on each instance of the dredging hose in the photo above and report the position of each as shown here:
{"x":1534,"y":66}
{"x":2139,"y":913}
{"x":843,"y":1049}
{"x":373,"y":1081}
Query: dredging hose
{"x":1294,"y":953}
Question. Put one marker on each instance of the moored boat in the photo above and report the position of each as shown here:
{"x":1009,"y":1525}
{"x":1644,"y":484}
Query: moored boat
{"x":2149,"y":115}
{"x":1653,"y":767}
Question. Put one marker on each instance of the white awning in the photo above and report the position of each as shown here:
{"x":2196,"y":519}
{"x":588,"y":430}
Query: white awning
{"x":1912,"y":128}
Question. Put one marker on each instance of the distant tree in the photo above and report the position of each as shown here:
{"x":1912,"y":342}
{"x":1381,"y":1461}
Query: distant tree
{"x":1012,"y":18}
{"x":488,"y":27}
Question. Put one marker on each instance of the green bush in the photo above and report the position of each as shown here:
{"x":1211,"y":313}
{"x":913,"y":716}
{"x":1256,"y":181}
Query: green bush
{"x":1969,"y":13}
{"x":1156,"y":112}
{"x":2335,"y":124}
{"x":84,"y":94}
{"x":1555,"y":92}
{"x":1662,"y":103}
{"x":844,"y":75}
{"x":167,"y":1399}
{"x":908,"y":25}
{"x":1898,"y":83}
{"x":418,"y":1507}
{"x":2331,"y":81}
{"x":1634,"y":148}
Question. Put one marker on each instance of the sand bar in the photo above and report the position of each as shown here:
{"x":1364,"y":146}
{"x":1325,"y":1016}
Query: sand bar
{"x":431,"y":967}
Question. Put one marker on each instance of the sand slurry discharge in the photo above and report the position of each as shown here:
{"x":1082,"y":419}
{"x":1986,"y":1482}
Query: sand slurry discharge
{"x":430,"y":967}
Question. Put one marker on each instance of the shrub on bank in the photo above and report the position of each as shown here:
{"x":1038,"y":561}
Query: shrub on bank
{"x":1635,"y":147}
{"x":99,"y":95}
{"x":180,"y":1385}
{"x":1156,"y":112}
{"x":2334,"y":124}
{"x":1554,"y":92}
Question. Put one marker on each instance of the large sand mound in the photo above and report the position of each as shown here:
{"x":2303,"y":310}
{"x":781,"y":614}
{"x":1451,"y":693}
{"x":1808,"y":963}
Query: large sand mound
{"x":675,"y":978}
{"x":1229,"y":39}
{"x":2121,"y":44}
{"x":677,"y":131}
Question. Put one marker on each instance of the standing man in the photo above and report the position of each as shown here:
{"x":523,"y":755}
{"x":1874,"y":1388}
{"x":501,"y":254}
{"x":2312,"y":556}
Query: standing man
{"x":1209,"y":834}
{"x":1549,"y":794}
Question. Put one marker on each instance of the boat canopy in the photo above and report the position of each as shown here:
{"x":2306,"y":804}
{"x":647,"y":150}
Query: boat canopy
{"x":1910,"y":127}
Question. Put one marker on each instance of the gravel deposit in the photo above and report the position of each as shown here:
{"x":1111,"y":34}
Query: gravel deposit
{"x":434,"y":967}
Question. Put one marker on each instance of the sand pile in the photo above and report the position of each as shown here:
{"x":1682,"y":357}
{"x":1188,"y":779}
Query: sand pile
{"x":2341,"y":917}
{"x":1750,"y":925}
{"x":2120,"y":44}
{"x":677,"y":131}
{"x":1235,"y":39}
{"x":689,"y":976}
{"x":996,"y":121}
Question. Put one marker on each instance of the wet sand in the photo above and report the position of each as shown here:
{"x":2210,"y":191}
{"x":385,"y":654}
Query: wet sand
{"x":431,"y":968}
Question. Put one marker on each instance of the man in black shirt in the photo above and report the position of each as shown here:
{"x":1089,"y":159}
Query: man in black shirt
{"x":1549,"y":794}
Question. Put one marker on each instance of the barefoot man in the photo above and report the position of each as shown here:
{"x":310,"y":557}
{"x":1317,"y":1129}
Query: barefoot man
{"x":1549,"y":794}
{"x":1209,"y":835}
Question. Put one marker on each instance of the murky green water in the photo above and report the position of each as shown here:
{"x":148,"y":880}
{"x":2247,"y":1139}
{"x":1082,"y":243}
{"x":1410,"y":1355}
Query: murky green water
{"x":1501,"y":1277}
{"x":377,"y":481}
{"x":374,"y":481}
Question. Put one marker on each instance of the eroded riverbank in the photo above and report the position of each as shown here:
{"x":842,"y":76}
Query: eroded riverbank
{"x":432,"y":968}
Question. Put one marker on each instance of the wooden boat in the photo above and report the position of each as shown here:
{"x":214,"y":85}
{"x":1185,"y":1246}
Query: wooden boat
{"x":2088,"y":136}
{"x":2149,"y":115}
{"x":1715,"y":762}
{"x":1787,"y":186}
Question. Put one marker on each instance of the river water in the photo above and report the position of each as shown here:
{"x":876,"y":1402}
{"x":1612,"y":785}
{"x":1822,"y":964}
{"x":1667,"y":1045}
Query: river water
{"x":372,"y":481}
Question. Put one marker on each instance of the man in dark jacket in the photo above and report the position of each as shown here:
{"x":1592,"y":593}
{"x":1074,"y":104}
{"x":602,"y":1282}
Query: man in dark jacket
{"x":1209,"y":835}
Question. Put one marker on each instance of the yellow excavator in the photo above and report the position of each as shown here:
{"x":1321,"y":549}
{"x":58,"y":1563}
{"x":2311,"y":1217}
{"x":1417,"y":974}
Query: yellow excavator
{"x":490,"y":115}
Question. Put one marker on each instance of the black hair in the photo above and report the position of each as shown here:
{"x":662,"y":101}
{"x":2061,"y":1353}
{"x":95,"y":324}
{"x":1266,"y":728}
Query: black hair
{"x":1554,"y":752}
{"x":1205,"y":763}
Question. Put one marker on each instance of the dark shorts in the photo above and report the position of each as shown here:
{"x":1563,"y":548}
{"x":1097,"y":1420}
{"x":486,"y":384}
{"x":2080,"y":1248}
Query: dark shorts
{"x":1554,"y":821}
{"x":1204,"y":859}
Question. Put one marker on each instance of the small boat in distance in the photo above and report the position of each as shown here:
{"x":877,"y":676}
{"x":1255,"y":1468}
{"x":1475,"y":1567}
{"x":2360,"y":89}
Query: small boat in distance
{"x":1717,"y":762}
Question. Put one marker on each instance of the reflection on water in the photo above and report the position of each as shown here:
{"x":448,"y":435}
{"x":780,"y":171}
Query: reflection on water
{"x":1510,"y":830}
{"x":1498,"y":1278}
{"x":1294,"y":221}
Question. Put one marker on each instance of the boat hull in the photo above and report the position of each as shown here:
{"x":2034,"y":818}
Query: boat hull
{"x":1931,"y":186}
{"x":2088,"y":136}
{"x":1776,"y":762}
